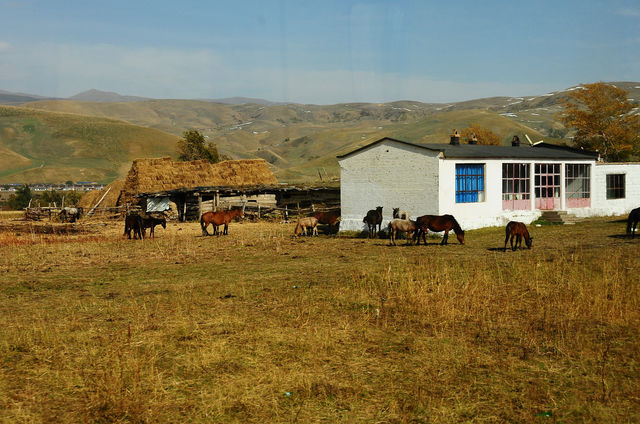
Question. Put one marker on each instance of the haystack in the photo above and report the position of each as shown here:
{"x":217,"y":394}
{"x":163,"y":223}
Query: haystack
{"x":90,"y":198}
{"x":163,"y":174}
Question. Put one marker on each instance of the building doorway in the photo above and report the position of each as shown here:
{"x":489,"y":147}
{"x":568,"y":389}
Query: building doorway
{"x":547,"y":186}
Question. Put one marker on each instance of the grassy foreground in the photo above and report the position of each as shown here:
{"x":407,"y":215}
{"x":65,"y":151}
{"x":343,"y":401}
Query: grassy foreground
{"x":260,"y":327}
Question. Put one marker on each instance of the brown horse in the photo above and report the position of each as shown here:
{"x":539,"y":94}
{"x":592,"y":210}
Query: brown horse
{"x":219,"y":218}
{"x":632,"y":222}
{"x":150,"y":222}
{"x":436,"y":223}
{"x":373,"y":219}
{"x":517,"y":230}
{"x":133,"y":222}
{"x":401,"y":225}
{"x":330,"y":218}
{"x":304,"y":223}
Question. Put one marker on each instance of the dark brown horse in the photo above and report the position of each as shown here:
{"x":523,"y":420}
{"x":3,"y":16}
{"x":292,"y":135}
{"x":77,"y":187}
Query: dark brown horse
{"x":373,"y":219}
{"x":133,"y":222}
{"x":517,"y":230}
{"x":219,"y":218}
{"x":437,"y":223}
{"x":330,"y":218}
{"x":632,"y":222}
{"x":150,"y":222}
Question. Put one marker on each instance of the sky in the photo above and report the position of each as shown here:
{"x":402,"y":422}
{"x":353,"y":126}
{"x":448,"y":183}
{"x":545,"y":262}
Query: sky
{"x":316,"y":52}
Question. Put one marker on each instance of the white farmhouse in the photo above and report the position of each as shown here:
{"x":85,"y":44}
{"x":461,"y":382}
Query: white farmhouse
{"x":482,"y":185}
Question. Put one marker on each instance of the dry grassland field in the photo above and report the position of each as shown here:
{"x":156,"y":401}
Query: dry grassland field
{"x":258,"y":327}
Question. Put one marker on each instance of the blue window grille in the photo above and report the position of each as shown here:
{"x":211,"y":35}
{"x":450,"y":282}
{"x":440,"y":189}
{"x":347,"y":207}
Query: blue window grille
{"x":469,"y":183}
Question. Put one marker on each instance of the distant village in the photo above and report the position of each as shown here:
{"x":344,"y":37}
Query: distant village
{"x":6,"y":190}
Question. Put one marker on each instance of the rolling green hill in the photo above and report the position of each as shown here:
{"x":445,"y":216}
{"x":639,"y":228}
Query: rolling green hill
{"x":39,"y":146}
{"x":92,"y":139}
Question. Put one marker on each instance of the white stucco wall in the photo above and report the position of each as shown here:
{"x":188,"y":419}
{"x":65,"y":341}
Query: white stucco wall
{"x":489,"y":212}
{"x":600,"y":205}
{"x":391,"y":175}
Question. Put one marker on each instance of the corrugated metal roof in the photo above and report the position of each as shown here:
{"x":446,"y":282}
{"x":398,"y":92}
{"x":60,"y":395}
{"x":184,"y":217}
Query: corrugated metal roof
{"x":478,"y":151}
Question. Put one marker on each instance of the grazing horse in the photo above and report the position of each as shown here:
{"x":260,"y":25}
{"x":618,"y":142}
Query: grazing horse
{"x":632,"y":222}
{"x":517,"y":230}
{"x":219,"y":218}
{"x":133,"y":222}
{"x":70,"y":214}
{"x":402,"y":225}
{"x":304,"y":223}
{"x":436,"y":223}
{"x":398,"y":214}
{"x":330,"y":218}
{"x":150,"y":222}
{"x":373,"y":218}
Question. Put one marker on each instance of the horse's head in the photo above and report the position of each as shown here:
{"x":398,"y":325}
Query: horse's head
{"x":529,"y":242}
{"x":460,"y":236}
{"x":163,"y":222}
{"x":395,"y":213}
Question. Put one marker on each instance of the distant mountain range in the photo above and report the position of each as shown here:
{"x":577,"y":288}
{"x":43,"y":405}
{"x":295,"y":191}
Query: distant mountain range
{"x":95,"y":135}
{"x":98,"y":96}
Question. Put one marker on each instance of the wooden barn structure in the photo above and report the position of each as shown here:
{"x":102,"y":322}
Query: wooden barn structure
{"x":199,"y":186}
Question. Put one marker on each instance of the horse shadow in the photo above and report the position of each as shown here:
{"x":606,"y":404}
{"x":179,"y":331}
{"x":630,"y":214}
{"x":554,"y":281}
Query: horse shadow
{"x":620,"y":236}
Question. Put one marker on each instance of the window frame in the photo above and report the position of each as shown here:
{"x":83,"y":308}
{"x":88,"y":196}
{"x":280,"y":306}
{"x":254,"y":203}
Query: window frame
{"x":577,"y":185}
{"x":470,"y":182}
{"x":622,"y":188}
{"x":516,"y":186}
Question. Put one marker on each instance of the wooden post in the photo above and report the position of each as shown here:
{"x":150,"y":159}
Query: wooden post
{"x":258,"y":210}
{"x":199,"y":206}
{"x":217,"y":201}
{"x":286,"y":214}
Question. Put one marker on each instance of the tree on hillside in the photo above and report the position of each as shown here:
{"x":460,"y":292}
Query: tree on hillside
{"x":193,"y":146}
{"x":604,"y":120}
{"x":20,"y":200}
{"x":483,"y":135}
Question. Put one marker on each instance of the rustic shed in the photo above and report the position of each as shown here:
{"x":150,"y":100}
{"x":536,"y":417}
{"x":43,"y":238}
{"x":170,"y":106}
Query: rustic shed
{"x":190,"y":184}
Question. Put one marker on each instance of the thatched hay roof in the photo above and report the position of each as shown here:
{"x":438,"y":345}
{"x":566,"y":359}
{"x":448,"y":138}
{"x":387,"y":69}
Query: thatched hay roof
{"x":90,"y":198}
{"x":163,"y":174}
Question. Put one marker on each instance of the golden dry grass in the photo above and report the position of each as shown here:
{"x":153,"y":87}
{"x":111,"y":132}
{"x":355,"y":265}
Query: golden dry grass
{"x":259,"y":326}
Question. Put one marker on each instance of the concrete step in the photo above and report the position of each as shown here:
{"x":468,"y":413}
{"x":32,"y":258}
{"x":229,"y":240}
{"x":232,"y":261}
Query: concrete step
{"x":561,"y":217}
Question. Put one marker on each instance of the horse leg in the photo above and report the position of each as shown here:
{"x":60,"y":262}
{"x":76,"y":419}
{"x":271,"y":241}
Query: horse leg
{"x":506,"y":239}
{"x":424,"y":237}
{"x":445,"y":238}
{"x":511,"y":241}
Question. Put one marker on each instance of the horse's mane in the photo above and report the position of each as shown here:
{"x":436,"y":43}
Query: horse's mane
{"x":456,"y":227}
